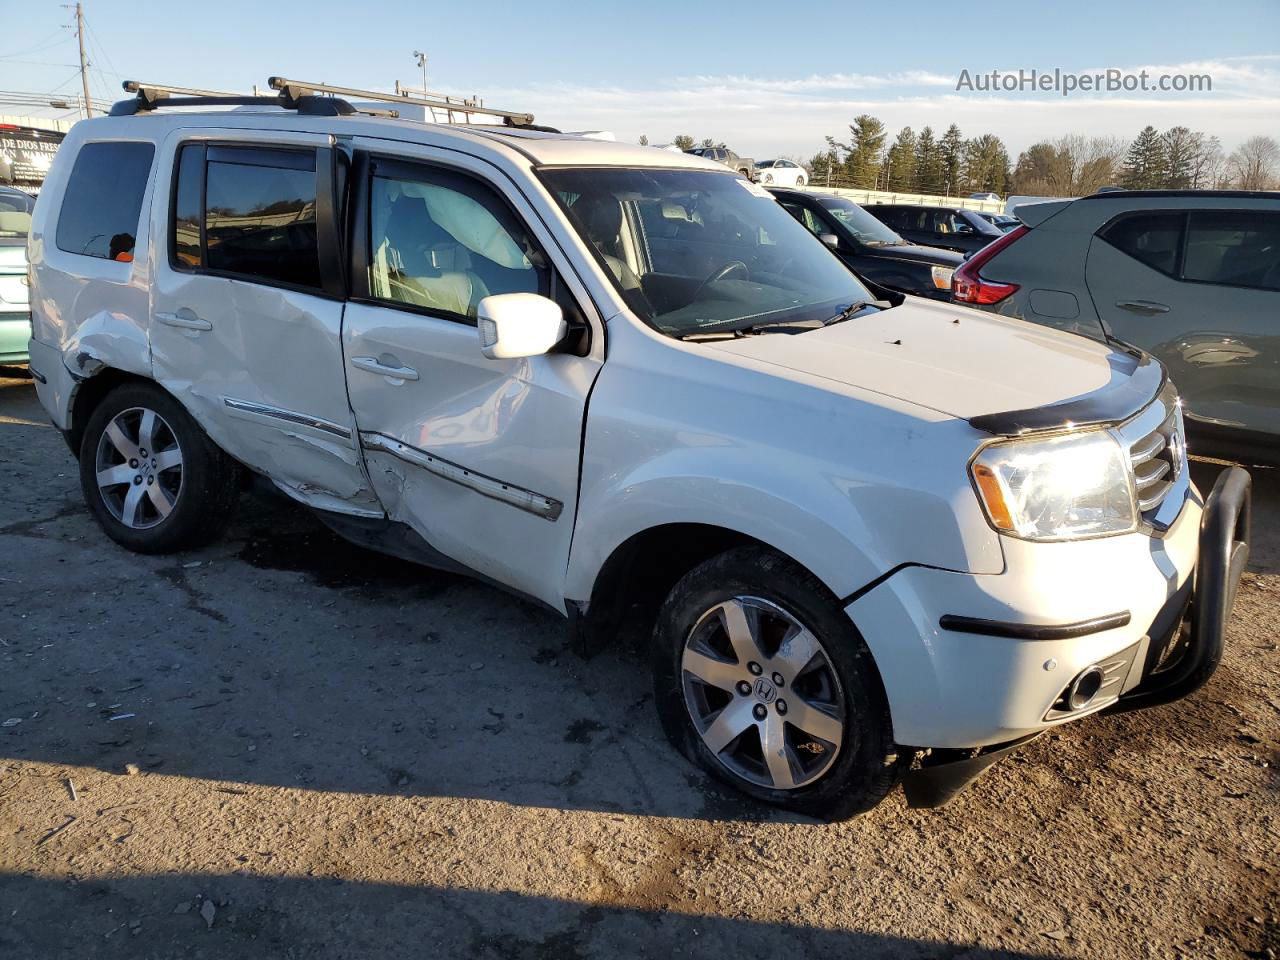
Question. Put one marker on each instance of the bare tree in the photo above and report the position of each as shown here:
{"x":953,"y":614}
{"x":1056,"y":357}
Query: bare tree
{"x":1207,"y":164}
{"x":1253,"y":165}
{"x":1093,"y":161}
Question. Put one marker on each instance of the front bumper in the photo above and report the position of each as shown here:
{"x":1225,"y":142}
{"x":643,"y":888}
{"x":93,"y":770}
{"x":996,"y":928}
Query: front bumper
{"x":1177,"y":654}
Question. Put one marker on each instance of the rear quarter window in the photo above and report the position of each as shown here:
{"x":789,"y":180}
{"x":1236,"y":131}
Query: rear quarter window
{"x":102,"y":203}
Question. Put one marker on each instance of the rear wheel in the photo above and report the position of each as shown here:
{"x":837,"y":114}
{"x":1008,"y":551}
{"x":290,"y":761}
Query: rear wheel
{"x":153,"y":480}
{"x":761,"y":679}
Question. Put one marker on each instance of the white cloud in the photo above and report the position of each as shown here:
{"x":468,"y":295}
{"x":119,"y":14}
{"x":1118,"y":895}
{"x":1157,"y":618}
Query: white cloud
{"x":763,"y":116}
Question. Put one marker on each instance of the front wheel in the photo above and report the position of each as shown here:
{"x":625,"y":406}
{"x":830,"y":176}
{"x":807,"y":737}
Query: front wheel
{"x":762,"y":680}
{"x":154,"y":482}
{"x":800,"y":181}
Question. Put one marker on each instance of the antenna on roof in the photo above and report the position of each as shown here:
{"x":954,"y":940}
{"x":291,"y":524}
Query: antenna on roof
{"x":294,"y":89}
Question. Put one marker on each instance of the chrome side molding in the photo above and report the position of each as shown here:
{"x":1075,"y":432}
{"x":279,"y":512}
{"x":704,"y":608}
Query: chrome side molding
{"x":288,"y":416}
{"x":519,"y":497}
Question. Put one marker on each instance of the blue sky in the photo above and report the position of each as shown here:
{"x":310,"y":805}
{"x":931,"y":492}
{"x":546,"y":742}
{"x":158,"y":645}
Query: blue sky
{"x":768,"y":78}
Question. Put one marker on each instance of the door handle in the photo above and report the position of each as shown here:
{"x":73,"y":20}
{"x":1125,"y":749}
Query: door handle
{"x":184,"y":319}
{"x":372,"y":365}
{"x":1147,"y":308}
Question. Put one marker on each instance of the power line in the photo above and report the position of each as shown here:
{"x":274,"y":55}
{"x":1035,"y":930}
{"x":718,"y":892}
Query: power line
{"x":41,"y":45}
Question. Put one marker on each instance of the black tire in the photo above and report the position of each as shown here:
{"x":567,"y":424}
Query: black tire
{"x":209,"y":486}
{"x":801,"y":181}
{"x":867,"y":766}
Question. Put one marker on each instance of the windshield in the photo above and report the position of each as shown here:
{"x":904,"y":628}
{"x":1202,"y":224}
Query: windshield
{"x":15,"y":213}
{"x":861,"y":224}
{"x":696,"y":251}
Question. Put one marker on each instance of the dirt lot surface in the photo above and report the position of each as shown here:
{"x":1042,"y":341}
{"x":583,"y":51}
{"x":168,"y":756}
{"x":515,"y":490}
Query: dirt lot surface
{"x":282,"y":746}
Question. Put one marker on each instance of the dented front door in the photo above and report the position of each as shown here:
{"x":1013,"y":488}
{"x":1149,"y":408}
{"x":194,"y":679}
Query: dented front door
{"x":479,"y":456}
{"x":245,"y":319}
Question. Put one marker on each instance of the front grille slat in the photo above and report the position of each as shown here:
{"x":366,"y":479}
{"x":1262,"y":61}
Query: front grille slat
{"x":1156,"y":460}
{"x":1146,"y":448}
{"x":1144,"y":479}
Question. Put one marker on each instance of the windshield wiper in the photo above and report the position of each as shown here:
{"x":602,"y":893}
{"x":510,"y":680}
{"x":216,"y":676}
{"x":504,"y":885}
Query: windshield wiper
{"x":730,"y":333}
{"x":853,"y":309}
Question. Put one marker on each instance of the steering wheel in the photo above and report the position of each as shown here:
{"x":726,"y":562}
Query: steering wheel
{"x":721,"y":273}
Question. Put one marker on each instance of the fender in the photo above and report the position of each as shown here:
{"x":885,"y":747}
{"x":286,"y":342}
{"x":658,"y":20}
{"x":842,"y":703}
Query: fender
{"x":850,"y":487}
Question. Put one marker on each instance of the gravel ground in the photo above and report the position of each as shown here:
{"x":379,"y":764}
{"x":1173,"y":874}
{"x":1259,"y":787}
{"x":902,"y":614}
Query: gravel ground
{"x":283,"y":746}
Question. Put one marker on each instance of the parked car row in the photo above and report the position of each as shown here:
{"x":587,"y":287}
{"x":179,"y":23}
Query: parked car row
{"x":1192,"y":277}
{"x":872,"y":250}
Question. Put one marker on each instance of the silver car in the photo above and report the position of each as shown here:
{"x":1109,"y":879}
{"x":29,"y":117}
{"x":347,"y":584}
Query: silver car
{"x":1192,"y":277}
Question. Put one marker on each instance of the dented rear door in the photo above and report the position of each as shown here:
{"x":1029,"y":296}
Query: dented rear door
{"x":247,"y":307}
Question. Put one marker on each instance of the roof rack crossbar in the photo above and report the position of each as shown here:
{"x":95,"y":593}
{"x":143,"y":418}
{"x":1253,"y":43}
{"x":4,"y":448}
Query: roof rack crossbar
{"x":151,"y":92}
{"x":294,"y":89}
{"x":151,"y":96}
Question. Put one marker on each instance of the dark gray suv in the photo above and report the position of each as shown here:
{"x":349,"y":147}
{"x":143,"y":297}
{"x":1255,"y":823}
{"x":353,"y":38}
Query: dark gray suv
{"x":1192,"y":277}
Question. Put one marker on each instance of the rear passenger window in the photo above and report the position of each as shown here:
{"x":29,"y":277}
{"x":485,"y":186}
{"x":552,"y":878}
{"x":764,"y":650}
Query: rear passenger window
{"x":442,"y":242}
{"x":1240,"y":248}
{"x":247,"y":211}
{"x":1153,"y":238}
{"x":102,"y":204}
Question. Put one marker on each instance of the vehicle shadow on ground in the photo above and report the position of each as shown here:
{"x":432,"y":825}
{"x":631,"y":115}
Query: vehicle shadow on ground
{"x":284,"y":656}
{"x":266,"y":917}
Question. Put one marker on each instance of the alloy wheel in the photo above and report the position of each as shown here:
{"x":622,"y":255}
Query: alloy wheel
{"x":762,"y":693}
{"x":139,"y":468}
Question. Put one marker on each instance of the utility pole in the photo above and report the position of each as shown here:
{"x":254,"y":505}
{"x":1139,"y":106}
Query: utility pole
{"x":422,"y":62}
{"x":84,"y":73}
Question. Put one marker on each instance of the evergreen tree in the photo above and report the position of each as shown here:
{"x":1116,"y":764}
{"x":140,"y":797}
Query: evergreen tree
{"x":951,"y":149}
{"x":901,"y":162}
{"x":862,"y":165}
{"x":986,"y":166}
{"x":683,"y":141}
{"x":644,"y":140}
{"x":1144,"y":165}
{"x":825,"y":167}
{"x":928,"y":163}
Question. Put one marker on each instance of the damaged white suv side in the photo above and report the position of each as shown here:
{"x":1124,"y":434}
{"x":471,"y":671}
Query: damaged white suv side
{"x":871,"y":539}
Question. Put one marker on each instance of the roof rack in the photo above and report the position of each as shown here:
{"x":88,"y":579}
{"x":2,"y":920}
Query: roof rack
{"x":316,"y":99}
{"x":295,"y":89}
{"x":150,"y":96}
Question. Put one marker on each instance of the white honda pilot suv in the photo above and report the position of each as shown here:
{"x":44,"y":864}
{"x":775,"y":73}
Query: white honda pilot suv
{"x":868,"y":538}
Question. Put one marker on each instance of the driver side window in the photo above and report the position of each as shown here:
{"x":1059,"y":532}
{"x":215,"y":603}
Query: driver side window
{"x":808,"y":218}
{"x":442,"y":242}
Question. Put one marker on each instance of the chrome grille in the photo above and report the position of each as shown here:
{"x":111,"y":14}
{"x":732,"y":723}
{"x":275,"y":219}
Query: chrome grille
{"x":1157,"y":460}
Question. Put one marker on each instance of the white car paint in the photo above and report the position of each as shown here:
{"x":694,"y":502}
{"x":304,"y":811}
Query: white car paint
{"x":846,"y":449}
{"x":781,"y":173}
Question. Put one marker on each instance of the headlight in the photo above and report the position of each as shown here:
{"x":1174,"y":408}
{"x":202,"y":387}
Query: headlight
{"x":1062,"y":488}
{"x":942,"y":277}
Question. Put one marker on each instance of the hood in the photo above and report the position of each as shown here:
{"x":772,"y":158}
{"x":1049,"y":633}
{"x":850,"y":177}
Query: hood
{"x":960,"y":362}
{"x":916,"y":253}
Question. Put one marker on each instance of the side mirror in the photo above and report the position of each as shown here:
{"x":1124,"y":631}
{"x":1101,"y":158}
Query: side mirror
{"x":830,"y":239}
{"x":519,"y":325}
